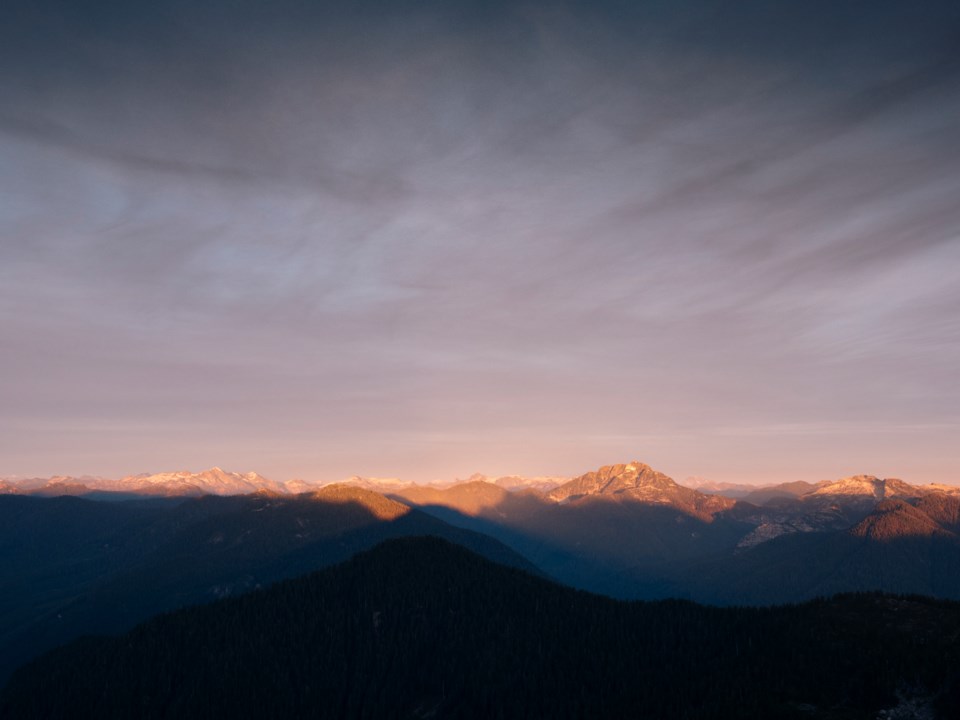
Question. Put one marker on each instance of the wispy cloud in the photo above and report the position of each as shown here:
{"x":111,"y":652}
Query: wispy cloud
{"x":482,"y":221}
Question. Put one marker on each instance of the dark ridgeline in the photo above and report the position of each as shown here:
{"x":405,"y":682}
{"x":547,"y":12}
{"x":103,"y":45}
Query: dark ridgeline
{"x":72,"y":566}
{"x":418,"y":627}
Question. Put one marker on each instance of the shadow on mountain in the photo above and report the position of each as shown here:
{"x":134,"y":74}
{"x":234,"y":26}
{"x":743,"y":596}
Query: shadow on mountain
{"x":74,"y":566}
{"x":802,"y":566}
{"x":623,"y":547}
{"x":613,"y":545}
{"x":421,"y":628}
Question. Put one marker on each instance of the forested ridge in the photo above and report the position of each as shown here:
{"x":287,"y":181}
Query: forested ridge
{"x":419,"y":627}
{"x":73,"y":567}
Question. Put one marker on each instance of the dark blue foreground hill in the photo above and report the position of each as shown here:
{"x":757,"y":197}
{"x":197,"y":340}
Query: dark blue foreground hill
{"x":73,"y":567}
{"x":419,"y":627}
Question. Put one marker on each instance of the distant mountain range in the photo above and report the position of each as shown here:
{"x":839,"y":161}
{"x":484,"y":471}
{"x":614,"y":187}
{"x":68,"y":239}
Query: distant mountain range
{"x":214,"y":481}
{"x":635,"y":479}
{"x":217,"y":481}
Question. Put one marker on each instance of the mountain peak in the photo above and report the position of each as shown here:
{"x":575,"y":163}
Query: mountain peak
{"x":867,"y":486}
{"x":611,"y":479}
{"x":638,"y":482}
{"x":214,"y":481}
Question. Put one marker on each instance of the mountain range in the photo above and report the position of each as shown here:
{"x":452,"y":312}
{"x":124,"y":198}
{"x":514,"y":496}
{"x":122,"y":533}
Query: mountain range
{"x":76,"y":565}
{"x":217,"y":481}
{"x":630,"y":531}
{"x":636,"y":479}
{"x":214,"y":481}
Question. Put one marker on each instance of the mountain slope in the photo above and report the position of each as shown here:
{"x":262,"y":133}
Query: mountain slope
{"x":629,"y":531}
{"x":75,"y":566}
{"x":589,"y":532}
{"x":421,"y":628}
{"x":897,"y":547}
{"x":765,"y":494}
{"x":894,"y":519}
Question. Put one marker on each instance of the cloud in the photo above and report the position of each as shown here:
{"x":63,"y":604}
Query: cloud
{"x":614,"y":219}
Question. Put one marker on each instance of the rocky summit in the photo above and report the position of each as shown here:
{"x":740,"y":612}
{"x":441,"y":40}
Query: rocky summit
{"x":638,"y":482}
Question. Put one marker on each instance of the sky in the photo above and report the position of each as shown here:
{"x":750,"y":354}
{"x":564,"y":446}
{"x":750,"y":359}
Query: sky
{"x":426,"y":239}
